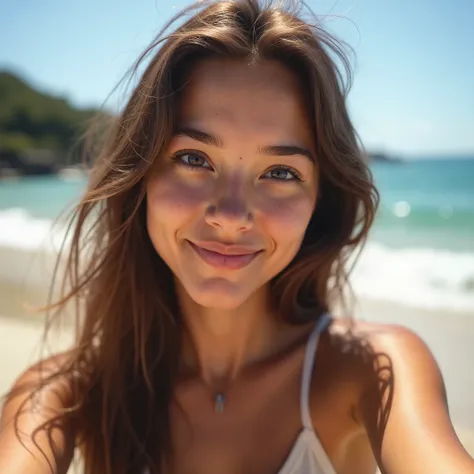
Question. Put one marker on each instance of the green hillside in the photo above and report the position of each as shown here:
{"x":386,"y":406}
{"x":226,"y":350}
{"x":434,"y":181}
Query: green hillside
{"x":30,"y":119}
{"x":32,"y":122}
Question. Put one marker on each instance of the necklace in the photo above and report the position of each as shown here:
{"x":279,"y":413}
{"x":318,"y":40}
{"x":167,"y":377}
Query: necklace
{"x":219,"y":402}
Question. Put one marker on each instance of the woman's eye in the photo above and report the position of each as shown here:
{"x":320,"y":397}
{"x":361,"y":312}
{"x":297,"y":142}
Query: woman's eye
{"x":282,"y":174}
{"x":193,"y":160}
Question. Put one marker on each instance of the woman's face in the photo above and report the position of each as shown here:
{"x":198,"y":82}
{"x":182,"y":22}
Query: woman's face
{"x":229,"y":207}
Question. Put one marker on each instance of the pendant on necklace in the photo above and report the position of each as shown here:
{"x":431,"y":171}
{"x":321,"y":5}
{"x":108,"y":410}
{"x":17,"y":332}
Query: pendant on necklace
{"x":219,"y":402}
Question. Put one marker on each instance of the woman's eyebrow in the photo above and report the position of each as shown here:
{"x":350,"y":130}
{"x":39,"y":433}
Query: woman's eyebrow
{"x":200,"y":136}
{"x":287,"y":150}
{"x":273,"y":150}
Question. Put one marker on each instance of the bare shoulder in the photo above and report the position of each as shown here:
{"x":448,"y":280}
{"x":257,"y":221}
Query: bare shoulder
{"x":381,"y":354}
{"x":376,"y":332}
{"x":34,"y":436}
{"x":397,"y":343}
{"x":402,"y":403}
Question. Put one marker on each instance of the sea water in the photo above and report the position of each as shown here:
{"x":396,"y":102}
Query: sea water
{"x":420,"y":250}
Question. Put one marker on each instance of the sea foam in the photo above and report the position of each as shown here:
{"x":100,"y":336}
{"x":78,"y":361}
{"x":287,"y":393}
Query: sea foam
{"x":420,"y":277}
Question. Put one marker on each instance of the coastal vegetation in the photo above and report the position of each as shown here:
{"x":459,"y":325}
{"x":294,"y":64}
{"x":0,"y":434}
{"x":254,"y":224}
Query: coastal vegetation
{"x":40,"y":133}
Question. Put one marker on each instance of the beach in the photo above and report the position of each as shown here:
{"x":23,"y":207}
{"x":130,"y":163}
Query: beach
{"x":449,"y":334}
{"x":417,"y":269}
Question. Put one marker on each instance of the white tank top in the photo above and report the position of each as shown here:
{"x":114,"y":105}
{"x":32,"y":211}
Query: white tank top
{"x":307,"y":455}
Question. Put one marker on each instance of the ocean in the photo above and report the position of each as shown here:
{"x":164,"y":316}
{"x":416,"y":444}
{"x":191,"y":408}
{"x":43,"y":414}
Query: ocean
{"x":420,"y":251}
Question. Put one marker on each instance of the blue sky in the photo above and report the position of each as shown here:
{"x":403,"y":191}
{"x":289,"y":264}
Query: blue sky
{"x":413,"y":92}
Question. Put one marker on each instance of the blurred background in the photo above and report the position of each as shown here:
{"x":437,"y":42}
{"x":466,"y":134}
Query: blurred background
{"x":412,"y":103}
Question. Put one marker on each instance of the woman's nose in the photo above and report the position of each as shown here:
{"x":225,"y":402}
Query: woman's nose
{"x":231,"y":210}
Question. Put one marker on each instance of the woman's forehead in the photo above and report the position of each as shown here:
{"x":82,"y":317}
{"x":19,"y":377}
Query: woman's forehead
{"x":265,"y":97}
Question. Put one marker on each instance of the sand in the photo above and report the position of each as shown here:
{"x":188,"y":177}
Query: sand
{"x":450,"y":335}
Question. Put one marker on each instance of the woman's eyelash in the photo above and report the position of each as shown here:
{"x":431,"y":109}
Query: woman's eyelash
{"x":194,"y":160}
{"x":296,"y":176}
{"x":191,"y":162}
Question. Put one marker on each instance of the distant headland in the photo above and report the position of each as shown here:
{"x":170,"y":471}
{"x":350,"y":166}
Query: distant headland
{"x":383,"y":157}
{"x":38,"y":130}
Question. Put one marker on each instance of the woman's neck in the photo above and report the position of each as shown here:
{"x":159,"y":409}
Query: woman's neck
{"x":219,"y":343}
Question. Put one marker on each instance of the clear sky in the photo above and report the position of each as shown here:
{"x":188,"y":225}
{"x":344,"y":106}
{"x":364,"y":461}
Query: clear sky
{"x":413,"y":92}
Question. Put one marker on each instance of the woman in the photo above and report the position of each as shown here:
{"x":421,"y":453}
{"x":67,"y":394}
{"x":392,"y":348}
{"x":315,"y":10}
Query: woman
{"x":218,"y":221}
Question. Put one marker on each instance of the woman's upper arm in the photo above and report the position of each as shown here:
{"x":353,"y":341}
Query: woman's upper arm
{"x":406,"y":412}
{"x":30,"y":440}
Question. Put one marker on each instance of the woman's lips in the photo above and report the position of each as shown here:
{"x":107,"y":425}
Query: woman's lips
{"x":229,"y":260}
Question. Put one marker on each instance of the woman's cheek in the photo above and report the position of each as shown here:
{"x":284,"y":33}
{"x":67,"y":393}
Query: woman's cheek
{"x":171,"y":194}
{"x":290,"y":214}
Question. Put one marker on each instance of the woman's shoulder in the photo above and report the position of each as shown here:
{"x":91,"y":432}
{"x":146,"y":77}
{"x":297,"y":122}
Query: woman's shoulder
{"x":45,"y":382}
{"x":396,"y":364}
{"x":368,"y":367}
{"x":35,"y":435}
{"x":363,"y":338}
{"x":399,"y":397}
{"x":373,"y":352}
{"x":44,"y":369}
{"x":365,"y":372}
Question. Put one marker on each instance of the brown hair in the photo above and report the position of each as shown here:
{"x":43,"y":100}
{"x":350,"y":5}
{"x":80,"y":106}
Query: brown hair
{"x":125,"y":357}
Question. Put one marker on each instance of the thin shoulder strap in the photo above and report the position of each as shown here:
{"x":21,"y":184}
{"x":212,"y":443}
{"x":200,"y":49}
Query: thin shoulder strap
{"x":308,"y":365}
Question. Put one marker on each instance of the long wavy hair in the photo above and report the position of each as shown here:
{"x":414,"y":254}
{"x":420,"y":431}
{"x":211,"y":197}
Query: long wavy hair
{"x":123,"y":366}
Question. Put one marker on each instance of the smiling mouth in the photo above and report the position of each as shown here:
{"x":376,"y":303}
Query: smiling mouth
{"x":221,"y":260}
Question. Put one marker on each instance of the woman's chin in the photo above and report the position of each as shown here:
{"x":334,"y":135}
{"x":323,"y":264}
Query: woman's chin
{"x":218,"y":300}
{"x":220,"y":295}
